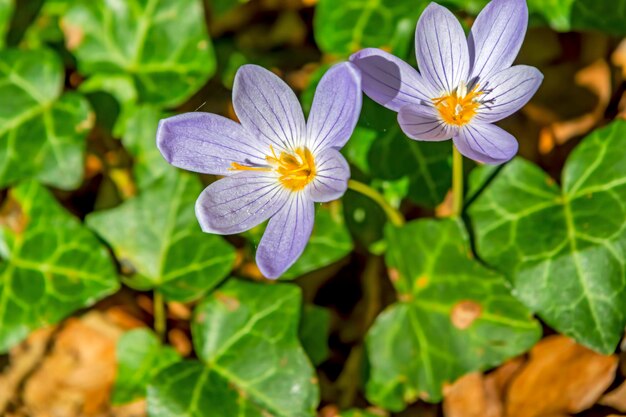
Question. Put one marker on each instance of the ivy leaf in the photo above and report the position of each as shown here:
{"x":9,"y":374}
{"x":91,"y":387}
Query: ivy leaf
{"x":330,"y":241}
{"x":393,"y":156}
{"x":140,"y":356}
{"x":6,"y":11}
{"x":163,"y":44}
{"x":342,"y":28}
{"x":42,"y":131}
{"x":314,"y":329}
{"x":140,"y":128}
{"x":564,"y":249}
{"x":251,"y":364}
{"x":156,"y":236}
{"x":53,"y":264}
{"x":453,"y":316}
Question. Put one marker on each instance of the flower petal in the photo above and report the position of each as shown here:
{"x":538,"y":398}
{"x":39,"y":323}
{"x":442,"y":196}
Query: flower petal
{"x":207,"y":143}
{"x":331,"y":179}
{"x":286,"y":236}
{"x":486,"y":143}
{"x":268,"y":108}
{"x":422,"y":123}
{"x":239,"y":202}
{"x":441,"y":49}
{"x":496,"y":36}
{"x":390,"y":81}
{"x":507,"y":92}
{"x":336,"y":107}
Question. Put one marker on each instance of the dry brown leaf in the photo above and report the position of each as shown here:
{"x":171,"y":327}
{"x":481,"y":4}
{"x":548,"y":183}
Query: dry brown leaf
{"x":23,"y":359}
{"x":75,"y":379}
{"x":615,"y":399}
{"x":618,"y":58}
{"x":560,"y":377}
{"x":470,"y":396}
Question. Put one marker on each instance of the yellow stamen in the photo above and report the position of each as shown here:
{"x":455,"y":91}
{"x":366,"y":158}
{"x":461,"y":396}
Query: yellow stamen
{"x":459,"y":107}
{"x":295,"y":170}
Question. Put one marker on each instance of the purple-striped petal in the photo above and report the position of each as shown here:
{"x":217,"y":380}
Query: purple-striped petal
{"x":331,"y":179}
{"x":336,"y":108}
{"x":207,"y":143}
{"x":507,"y":92}
{"x":422,"y":123}
{"x":441,"y":49}
{"x":486,"y":143}
{"x":239,"y":202}
{"x":286,"y":236}
{"x":390,"y":81}
{"x":496,"y":37}
{"x":268,"y":108}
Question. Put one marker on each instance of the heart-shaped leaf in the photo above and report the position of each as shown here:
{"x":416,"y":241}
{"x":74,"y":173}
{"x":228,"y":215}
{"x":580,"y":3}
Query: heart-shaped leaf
{"x":42,"y":131}
{"x":53,"y":265}
{"x":453,"y":316}
{"x":564,"y":248}
{"x":251,"y":363}
{"x":140,"y":356}
{"x":162,"y":44}
{"x":158,"y":241}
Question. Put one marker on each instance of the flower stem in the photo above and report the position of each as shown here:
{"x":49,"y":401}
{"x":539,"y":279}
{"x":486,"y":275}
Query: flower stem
{"x":457,"y":182}
{"x":394,"y":216}
{"x":160,"y":323}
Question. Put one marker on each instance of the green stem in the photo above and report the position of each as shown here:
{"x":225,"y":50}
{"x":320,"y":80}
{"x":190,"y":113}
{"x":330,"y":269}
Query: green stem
{"x":394,"y":216}
{"x":160,"y":323}
{"x":457,"y":182}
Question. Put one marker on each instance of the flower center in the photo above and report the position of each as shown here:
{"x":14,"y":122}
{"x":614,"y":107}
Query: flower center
{"x":460,"y":106}
{"x":295,"y":170}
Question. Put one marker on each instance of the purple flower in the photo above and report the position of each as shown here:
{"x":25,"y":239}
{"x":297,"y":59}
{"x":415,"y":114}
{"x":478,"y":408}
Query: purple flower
{"x":464,"y":85}
{"x":276,"y":165}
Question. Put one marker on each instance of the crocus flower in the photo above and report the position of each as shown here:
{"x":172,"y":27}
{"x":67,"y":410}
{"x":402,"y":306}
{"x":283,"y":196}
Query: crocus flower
{"x":275,"y":165}
{"x":464,"y":84}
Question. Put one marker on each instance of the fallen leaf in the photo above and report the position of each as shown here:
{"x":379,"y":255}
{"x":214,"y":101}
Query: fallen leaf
{"x":470,"y":396}
{"x":560,"y":377}
{"x":615,"y":399}
{"x":75,"y":379}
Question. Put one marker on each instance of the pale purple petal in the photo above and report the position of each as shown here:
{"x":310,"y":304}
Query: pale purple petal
{"x":496,"y":37}
{"x":423,"y":123}
{"x":441,"y":49}
{"x":336,"y":108}
{"x":486,"y":143}
{"x":239,"y":202}
{"x":286,"y":236}
{"x":207,"y":143}
{"x":331,"y":179}
{"x":390,"y":81}
{"x":268,"y":108}
{"x":508,"y":91}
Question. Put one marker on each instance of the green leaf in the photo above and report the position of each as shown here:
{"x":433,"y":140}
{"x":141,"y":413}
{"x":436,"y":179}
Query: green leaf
{"x":564,"y":249}
{"x":157,"y":237}
{"x":221,"y":7}
{"x":251,"y":363}
{"x":6,"y":11}
{"x":453,"y":316}
{"x":53,"y":264}
{"x":140,"y":129}
{"x":344,"y":27}
{"x":330,"y":242}
{"x":162,"y":44}
{"x":392,"y":156}
{"x":314,"y":329}
{"x":140,"y":356}
{"x":362,"y":413}
{"x":42,"y":131}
